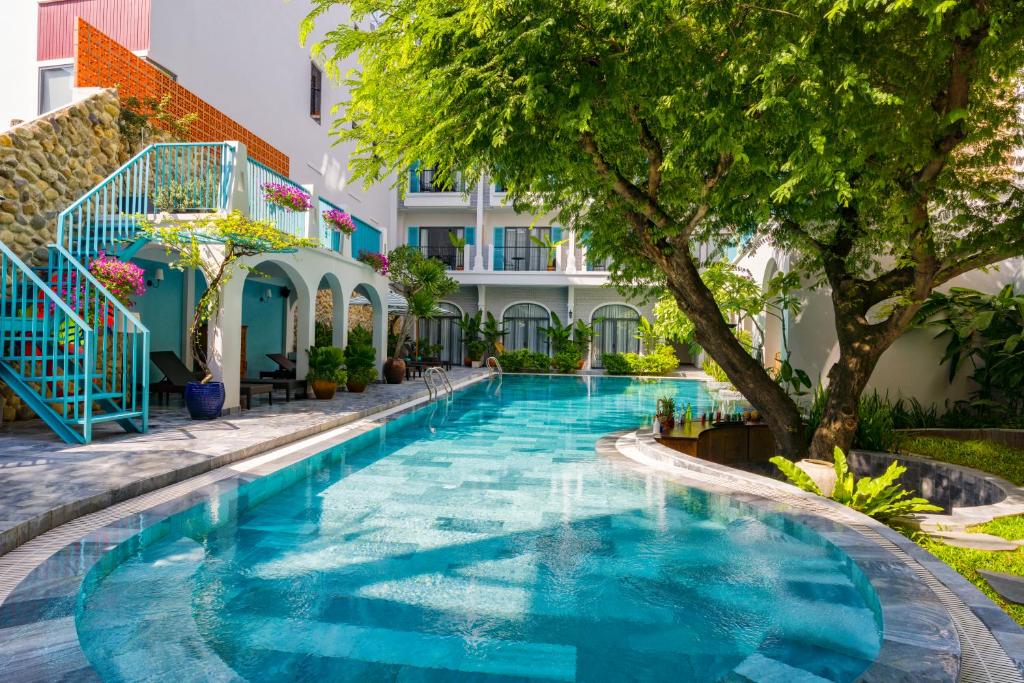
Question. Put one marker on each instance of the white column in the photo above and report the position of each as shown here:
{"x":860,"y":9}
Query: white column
{"x":558,"y":259}
{"x":481,"y":298}
{"x":570,"y":254}
{"x":224,"y":340}
{"x":339,"y":316}
{"x":346,"y":245}
{"x":490,"y":256}
{"x":305,"y":326}
{"x":238,"y":197}
{"x":583,"y":256}
{"x":380,"y":327}
{"x":478,"y":262}
{"x":312,"y":227}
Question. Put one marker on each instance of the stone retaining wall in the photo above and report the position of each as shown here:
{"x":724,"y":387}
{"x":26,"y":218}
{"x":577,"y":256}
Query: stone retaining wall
{"x":49,"y":162}
{"x":1008,"y":437}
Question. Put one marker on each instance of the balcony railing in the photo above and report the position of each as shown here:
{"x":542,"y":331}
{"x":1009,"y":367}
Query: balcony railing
{"x":428,"y":180}
{"x":452,"y":257}
{"x":530,"y":258}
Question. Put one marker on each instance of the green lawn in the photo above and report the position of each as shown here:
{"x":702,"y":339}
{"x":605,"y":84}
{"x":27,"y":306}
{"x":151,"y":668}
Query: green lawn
{"x":1001,"y":461}
{"x":997,"y":459}
{"x":967,"y":562}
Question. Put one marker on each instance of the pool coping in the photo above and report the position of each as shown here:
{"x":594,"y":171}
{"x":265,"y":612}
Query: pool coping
{"x":41,"y":580}
{"x":929,"y":611}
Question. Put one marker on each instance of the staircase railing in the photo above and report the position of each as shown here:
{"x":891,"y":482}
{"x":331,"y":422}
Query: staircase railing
{"x":45,"y":349}
{"x":164,"y":177}
{"x":120,"y":366}
{"x":290,"y":222}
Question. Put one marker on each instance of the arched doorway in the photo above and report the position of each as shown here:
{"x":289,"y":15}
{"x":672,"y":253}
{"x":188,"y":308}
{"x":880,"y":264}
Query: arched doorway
{"x":275,"y":318}
{"x":524,"y":325}
{"x":443,"y":329}
{"x":330,"y":312}
{"x":367,"y":308}
{"x":615,"y":328}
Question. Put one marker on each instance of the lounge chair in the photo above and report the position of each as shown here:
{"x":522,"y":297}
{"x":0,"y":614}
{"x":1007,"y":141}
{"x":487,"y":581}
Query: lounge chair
{"x":285,"y":367}
{"x":248,"y":388}
{"x":176,"y":375}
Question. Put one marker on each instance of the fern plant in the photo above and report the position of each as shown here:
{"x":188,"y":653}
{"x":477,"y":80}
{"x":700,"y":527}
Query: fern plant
{"x":880,"y":497}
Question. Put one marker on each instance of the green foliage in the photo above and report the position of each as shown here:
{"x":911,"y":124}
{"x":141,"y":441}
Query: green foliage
{"x":559,"y":336}
{"x":567,"y":361}
{"x":911,"y":413}
{"x":422,"y":281}
{"x":986,"y":330}
{"x":323,"y":334}
{"x":524,"y":360}
{"x":876,"y":429}
{"x":142,"y":120}
{"x":492,"y":333}
{"x":545,"y":242}
{"x":661,"y":362}
{"x":968,"y":561}
{"x":844,"y":133}
{"x":666,"y":406}
{"x":360,"y":356}
{"x":648,"y":334}
{"x":796,"y":476}
{"x":880,"y":497}
{"x":326,"y":363}
{"x":713,"y":369}
{"x":475,"y":349}
{"x":213,"y":246}
{"x":987,"y":456}
{"x":1011,"y":528}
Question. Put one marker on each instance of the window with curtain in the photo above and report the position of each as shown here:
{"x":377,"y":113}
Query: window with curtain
{"x":524,"y":327}
{"x":615,"y":328}
{"x":444,"y":330}
{"x":522,"y":253}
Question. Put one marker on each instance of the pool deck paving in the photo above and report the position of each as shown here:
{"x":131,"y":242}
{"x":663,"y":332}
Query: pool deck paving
{"x":45,"y":482}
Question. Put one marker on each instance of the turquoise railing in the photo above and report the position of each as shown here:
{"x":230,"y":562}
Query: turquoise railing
{"x":165,"y":177}
{"x":290,"y":222}
{"x":120,"y":365}
{"x":45,"y":347}
{"x":330,"y":237}
{"x":365,"y":238}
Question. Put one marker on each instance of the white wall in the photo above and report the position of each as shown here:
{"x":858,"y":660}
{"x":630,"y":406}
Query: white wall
{"x":19,"y":75}
{"x":910,"y":367}
{"x":244,"y":57}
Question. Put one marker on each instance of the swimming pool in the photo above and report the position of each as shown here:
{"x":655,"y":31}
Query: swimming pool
{"x":486,"y":541}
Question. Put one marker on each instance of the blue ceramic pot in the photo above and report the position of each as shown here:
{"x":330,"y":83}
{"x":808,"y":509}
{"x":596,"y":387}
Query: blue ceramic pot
{"x":204,"y":401}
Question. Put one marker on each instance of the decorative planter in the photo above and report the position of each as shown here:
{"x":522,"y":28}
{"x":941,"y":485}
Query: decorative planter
{"x":475,"y":363}
{"x":324,"y":389}
{"x":580,"y":364}
{"x":394,"y":370}
{"x":667,"y":423}
{"x":355,"y":387}
{"x":821,"y":472}
{"x":204,"y":401}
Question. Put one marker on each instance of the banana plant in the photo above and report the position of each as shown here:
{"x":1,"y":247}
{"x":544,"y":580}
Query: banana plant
{"x":648,"y":334}
{"x":552,"y":247}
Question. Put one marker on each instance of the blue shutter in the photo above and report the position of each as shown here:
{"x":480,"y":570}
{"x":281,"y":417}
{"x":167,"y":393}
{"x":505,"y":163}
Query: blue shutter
{"x":556,"y":234}
{"x":414,"y":177}
{"x":470,"y":234}
{"x":413,"y":236}
{"x":499,"y":249}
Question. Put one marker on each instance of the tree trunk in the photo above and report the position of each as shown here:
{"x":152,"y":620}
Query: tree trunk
{"x":846,"y":381}
{"x":716,"y":337}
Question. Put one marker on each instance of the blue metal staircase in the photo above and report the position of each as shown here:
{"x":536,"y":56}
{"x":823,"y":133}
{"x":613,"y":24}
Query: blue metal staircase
{"x":74,"y":353}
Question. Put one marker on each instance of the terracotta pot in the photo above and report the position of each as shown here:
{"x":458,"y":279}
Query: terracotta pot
{"x":580,"y":364}
{"x":667,"y":423}
{"x":324,"y":389}
{"x":394,"y":370}
{"x":355,"y":387}
{"x":821,"y":472}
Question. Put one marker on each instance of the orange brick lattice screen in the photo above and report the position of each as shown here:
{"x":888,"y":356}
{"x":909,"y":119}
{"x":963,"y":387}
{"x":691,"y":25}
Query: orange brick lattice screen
{"x":101,"y":62}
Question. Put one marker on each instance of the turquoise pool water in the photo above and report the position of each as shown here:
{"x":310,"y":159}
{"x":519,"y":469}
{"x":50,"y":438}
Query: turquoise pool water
{"x":481,"y":541}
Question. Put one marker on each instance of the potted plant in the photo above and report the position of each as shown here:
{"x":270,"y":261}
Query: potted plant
{"x":545,"y":242}
{"x":325,"y":373}
{"x":471,"y":332}
{"x":422,"y":282}
{"x":360,"y":360}
{"x":235,"y":237}
{"x":666,"y":413}
{"x":492,"y":333}
{"x":379,"y":262}
{"x":459,"y":243}
{"x":582,"y":335}
{"x":287,"y":197}
{"x":340,"y":221}
{"x":475,"y":352}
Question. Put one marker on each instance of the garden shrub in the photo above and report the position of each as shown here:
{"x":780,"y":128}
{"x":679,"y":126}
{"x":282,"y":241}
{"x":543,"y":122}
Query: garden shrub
{"x":875,"y":425}
{"x":566,"y":361}
{"x":661,"y":362}
{"x":713,"y":369}
{"x":524,"y":360}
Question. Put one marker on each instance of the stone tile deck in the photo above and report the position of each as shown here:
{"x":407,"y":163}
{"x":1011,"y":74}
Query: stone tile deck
{"x":45,"y":482}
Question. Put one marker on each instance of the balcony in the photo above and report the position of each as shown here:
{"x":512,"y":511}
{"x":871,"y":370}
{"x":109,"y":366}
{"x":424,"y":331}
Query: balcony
{"x":454,"y":258}
{"x":427,"y":190}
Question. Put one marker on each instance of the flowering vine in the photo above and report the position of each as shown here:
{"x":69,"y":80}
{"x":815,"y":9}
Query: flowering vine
{"x":121,"y":278}
{"x":340,"y":220}
{"x":378,"y":262}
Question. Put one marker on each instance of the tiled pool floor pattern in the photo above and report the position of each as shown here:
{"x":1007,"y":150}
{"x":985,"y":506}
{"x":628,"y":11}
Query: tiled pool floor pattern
{"x":487,"y":543}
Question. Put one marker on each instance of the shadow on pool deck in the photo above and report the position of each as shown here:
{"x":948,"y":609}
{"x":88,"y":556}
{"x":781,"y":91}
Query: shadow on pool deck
{"x":45,"y":482}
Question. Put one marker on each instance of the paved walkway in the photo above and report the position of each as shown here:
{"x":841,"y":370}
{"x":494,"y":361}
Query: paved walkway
{"x":45,"y":482}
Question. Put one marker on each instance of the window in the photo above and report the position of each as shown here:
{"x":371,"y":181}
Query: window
{"x":615,"y":328}
{"x":444,"y":329}
{"x":316,"y":78}
{"x":524,"y":327}
{"x":523,"y":253}
{"x":55,"y":87}
{"x":440,"y":243}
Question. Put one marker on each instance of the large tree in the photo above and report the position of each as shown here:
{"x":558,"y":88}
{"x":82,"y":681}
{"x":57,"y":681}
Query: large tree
{"x":871,"y":139}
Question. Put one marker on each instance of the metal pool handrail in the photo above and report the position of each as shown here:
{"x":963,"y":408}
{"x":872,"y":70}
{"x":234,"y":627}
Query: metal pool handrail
{"x":493,"y":364}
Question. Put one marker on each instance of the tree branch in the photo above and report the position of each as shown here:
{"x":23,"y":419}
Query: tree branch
{"x":655,"y":153}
